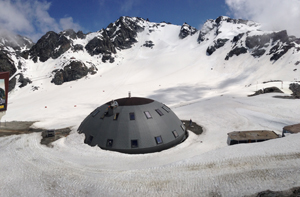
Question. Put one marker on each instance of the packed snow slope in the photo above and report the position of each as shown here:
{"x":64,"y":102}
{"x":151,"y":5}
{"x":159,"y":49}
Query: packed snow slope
{"x":201,"y":75}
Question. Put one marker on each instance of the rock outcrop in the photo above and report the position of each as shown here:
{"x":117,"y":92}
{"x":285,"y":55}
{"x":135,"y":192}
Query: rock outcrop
{"x":73,"y":71}
{"x":51,"y":45}
{"x":186,"y":30}
{"x":7,"y":64}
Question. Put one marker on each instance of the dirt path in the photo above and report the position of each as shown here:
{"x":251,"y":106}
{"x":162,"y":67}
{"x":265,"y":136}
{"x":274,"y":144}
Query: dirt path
{"x":23,"y":127}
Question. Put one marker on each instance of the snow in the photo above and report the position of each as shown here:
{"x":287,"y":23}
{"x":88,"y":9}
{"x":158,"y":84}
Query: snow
{"x":175,"y":72}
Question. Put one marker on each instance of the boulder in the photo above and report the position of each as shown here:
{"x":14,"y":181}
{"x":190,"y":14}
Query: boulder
{"x":75,"y":70}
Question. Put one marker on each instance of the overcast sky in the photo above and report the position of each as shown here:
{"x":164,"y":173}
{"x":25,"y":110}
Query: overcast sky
{"x":33,"y":18}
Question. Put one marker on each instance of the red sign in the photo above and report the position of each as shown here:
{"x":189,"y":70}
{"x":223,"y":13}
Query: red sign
{"x":4,"y":78}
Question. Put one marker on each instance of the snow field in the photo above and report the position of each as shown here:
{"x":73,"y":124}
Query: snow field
{"x":207,"y":89}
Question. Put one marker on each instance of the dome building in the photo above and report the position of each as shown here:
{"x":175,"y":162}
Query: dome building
{"x":133,"y":125}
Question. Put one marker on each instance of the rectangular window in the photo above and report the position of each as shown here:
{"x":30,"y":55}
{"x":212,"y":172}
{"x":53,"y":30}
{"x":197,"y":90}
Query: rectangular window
{"x":131,"y":116}
{"x":148,"y":115}
{"x":183,"y":127}
{"x":158,"y":140}
{"x":94,"y":113}
{"x":175,"y":133}
{"x":159,"y":112}
{"x":166,"y":108}
{"x":109,"y":143}
{"x":134,"y":144}
{"x":116,"y":116}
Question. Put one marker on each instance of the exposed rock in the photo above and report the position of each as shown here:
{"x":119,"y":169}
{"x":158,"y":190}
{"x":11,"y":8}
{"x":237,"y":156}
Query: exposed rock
{"x":24,"y":81}
{"x":293,"y":192}
{"x":51,"y":45}
{"x":119,"y":35}
{"x":236,"y":51}
{"x":75,"y":70}
{"x":279,"y":50}
{"x":77,"y":47}
{"x":7,"y":64}
{"x":186,"y":30}
{"x":17,"y":42}
{"x":217,"y":44}
{"x":12,"y":84}
{"x":207,"y":27}
{"x":81,"y":35}
{"x":237,"y":37}
{"x":98,"y":46}
{"x":295,"y":87}
{"x":72,"y":34}
{"x":267,"y":90}
{"x":107,"y":56}
{"x":148,"y":44}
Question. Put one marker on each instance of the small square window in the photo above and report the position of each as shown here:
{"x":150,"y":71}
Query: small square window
{"x":175,"y":133}
{"x":109,"y":143}
{"x":116,"y":116}
{"x":159,"y":112}
{"x":134,"y":144}
{"x":148,"y":115}
{"x":158,"y":140}
{"x":131,"y":116}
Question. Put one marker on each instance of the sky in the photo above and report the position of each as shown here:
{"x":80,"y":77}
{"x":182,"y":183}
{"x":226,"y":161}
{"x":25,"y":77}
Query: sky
{"x":33,"y":18}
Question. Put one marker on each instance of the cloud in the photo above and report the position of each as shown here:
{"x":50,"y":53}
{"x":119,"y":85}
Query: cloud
{"x":31,"y":18}
{"x":272,"y":14}
{"x":128,"y":5}
{"x":67,"y":23}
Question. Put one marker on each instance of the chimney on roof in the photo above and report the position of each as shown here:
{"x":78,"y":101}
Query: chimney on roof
{"x":129,"y":94}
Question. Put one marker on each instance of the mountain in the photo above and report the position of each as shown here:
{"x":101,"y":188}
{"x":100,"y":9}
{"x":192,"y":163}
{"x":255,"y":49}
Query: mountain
{"x":71,"y":51}
{"x":205,"y":75}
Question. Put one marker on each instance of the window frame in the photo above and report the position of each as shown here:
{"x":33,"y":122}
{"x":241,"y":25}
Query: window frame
{"x":175,"y":134}
{"x":148,"y":117}
{"x":159,"y":112}
{"x":134,"y":143}
{"x":130,"y":116}
{"x":159,"y":140}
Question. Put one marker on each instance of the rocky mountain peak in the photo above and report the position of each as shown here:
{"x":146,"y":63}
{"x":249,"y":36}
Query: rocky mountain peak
{"x":186,"y":30}
{"x":16,"y":42}
{"x":51,"y":45}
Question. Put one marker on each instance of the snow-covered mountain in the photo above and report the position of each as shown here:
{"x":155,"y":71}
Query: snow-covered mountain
{"x":205,"y":75}
{"x":221,"y":39}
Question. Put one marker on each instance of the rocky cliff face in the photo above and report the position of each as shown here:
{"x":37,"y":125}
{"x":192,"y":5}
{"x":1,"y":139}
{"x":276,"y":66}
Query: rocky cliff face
{"x":186,"y":30}
{"x":72,"y":71}
{"x":51,"y":45}
{"x":254,"y":42}
{"x":234,"y":36}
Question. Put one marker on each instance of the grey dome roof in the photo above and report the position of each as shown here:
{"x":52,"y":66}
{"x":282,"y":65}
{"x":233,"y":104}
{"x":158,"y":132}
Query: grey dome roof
{"x":133,"y":125}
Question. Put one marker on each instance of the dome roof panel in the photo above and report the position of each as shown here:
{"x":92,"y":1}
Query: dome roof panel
{"x":133,"y":125}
